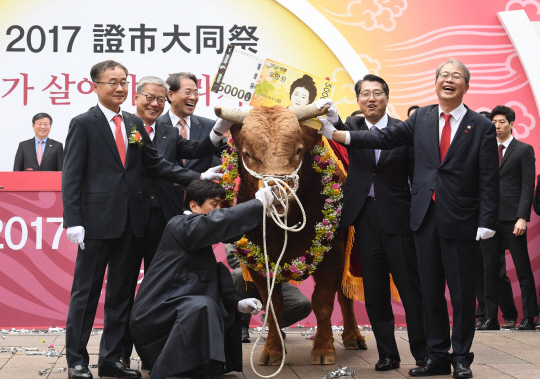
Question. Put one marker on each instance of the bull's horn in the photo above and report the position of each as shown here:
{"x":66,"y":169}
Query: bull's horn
{"x":233,"y":115}
{"x":305,"y":112}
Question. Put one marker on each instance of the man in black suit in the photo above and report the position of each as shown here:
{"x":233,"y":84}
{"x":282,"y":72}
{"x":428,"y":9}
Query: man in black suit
{"x":517,"y":171}
{"x":455,"y":197}
{"x":377,"y":202}
{"x":40,"y":153}
{"x":183,"y":95}
{"x":106,"y":204}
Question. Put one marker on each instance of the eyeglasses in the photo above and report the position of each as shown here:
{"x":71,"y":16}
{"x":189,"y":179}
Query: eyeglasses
{"x":189,"y":93}
{"x":367,"y":94}
{"x":455,"y":75}
{"x":115,"y":84}
{"x":150,"y":98}
{"x":40,"y":124}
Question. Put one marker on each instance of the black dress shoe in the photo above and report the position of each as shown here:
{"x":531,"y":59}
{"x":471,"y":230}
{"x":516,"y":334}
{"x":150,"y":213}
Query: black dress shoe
{"x":526,"y":324}
{"x":420,"y":361}
{"x":79,"y":372}
{"x":386,"y":363}
{"x":430,"y":368}
{"x":490,"y":324}
{"x":245,"y":335}
{"x":462,"y":370}
{"x":117,"y":370}
{"x":126,"y":361}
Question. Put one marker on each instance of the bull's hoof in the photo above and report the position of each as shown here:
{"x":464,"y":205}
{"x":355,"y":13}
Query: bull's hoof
{"x":355,"y":342}
{"x":328,"y":358}
{"x":270,"y":358}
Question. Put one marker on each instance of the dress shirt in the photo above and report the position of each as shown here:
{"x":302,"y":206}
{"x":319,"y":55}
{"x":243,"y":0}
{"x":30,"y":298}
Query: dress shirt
{"x":153,"y":132}
{"x":176,"y":122}
{"x":455,"y":120}
{"x":506,"y":144}
{"x":109,"y":116}
{"x":43,"y":146}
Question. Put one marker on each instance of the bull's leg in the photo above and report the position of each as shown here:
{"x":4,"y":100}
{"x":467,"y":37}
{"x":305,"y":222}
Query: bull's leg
{"x":352,"y":338}
{"x":272,"y":353}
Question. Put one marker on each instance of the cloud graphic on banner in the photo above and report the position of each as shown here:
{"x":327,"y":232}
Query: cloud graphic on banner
{"x":391,"y":110}
{"x":372,"y":64}
{"x":521,"y":129}
{"x":522,"y":4}
{"x":342,"y":94}
{"x":370,"y":14}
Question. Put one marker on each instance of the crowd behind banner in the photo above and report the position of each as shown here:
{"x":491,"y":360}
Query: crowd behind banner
{"x":436,"y":199}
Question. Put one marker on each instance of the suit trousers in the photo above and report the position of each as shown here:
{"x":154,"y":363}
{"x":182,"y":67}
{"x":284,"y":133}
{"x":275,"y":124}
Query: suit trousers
{"x":90,"y":265}
{"x":506,"y":296}
{"x":453,"y":262}
{"x":492,"y":249}
{"x":296,"y":306}
{"x":381,"y":254}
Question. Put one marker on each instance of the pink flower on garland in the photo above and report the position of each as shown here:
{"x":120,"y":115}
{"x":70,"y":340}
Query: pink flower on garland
{"x":295,"y":270}
{"x":302,"y":259}
{"x":325,"y":222}
{"x":230,"y":167}
{"x":335,"y":186}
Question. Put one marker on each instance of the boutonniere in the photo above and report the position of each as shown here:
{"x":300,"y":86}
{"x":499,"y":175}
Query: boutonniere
{"x":135,"y":136}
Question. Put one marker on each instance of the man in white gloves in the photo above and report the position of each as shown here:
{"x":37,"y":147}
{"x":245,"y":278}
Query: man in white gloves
{"x":185,"y":321}
{"x":106,"y":203}
{"x":455,"y":200}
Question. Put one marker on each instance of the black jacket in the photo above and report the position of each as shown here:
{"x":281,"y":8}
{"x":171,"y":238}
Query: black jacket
{"x":26,"y":157}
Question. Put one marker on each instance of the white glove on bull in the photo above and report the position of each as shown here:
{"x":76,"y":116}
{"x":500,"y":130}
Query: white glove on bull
{"x":265,"y":196}
{"x":251,"y":305}
{"x":332,"y":114}
{"x":212,"y":173}
{"x":76,"y":235}
{"x":327,"y":129}
{"x":484,"y":233}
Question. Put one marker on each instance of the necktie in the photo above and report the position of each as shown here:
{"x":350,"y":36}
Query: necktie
{"x":445,"y":140}
{"x":149,"y":131}
{"x":120,"y":145}
{"x":40,"y":152}
{"x":501,"y":148}
{"x":377,"y":153}
{"x":183,"y":133}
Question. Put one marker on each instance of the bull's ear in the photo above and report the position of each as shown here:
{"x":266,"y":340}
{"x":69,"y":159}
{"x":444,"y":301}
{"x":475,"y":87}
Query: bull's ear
{"x":310,"y":136}
{"x":236,"y":134}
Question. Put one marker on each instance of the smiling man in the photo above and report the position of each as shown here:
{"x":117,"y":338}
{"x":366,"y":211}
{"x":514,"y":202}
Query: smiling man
{"x":40,"y":153}
{"x":455,"y":201}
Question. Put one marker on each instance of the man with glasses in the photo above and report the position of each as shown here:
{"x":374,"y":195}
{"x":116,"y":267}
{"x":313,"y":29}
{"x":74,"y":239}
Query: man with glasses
{"x":377,"y":202}
{"x":455,"y":201}
{"x":183,"y":95}
{"x":40,"y":153}
{"x":106,"y":204}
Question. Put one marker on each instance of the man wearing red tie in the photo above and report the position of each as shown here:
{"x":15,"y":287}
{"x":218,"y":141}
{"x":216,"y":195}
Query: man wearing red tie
{"x":455,"y":198}
{"x":106,"y":204}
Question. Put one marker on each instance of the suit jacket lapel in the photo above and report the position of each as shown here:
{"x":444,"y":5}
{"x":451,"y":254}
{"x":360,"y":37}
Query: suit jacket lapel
{"x":464,"y":130}
{"x":509,"y":151}
{"x":161,"y":139}
{"x":384,"y":153}
{"x":31,"y":146}
{"x":433,"y":122}
{"x":195,"y":130}
{"x":48,"y":149}
{"x":369,"y":152}
{"x":105,"y":130}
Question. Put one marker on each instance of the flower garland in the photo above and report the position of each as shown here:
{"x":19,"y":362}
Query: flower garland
{"x":250,"y":255}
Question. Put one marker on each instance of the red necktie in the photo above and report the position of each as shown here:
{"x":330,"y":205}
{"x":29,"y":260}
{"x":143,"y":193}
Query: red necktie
{"x":445,"y":140}
{"x":40,"y":152}
{"x":148,"y":130}
{"x":120,"y":145}
{"x":501,"y":148}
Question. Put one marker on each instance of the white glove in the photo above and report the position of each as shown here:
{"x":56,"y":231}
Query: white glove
{"x":484,"y":233}
{"x":212,"y":173}
{"x":222,"y":125}
{"x":327,"y":129}
{"x":265,"y":196}
{"x":251,"y":305}
{"x":332,"y":114}
{"x":76,"y":235}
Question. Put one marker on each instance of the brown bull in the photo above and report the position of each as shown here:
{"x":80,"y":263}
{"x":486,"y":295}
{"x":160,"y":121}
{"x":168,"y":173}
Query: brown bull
{"x":271,"y":141}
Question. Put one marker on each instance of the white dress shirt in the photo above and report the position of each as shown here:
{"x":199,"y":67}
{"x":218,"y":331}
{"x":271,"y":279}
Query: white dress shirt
{"x":176,"y":122}
{"x":506,"y":144}
{"x":455,"y":120}
{"x":153,"y":132}
{"x":109,"y":116}
{"x":381,"y":124}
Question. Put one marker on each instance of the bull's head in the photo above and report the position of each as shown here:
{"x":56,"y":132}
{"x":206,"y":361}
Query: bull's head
{"x":270,"y":140}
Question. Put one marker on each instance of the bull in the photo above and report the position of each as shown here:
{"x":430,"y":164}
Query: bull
{"x":271,"y":141}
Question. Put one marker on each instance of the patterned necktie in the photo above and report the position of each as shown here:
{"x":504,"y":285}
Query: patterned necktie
{"x":501,"y":148}
{"x":149,"y":131}
{"x":40,"y":152}
{"x":445,"y":140}
{"x":120,"y":145}
{"x":183,"y":133}
{"x":377,"y":153}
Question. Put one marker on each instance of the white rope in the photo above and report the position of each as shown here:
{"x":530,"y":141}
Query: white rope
{"x":279,"y":183}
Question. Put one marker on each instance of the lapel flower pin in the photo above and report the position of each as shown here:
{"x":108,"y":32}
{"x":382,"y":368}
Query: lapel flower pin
{"x":135,"y":137}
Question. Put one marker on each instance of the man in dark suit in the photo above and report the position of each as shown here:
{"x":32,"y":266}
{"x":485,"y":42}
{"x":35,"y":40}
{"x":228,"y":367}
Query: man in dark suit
{"x":517,"y":171}
{"x":185,"y":320}
{"x":183,"y":95}
{"x":377,"y":202}
{"x":106,"y":206}
{"x":40,"y":153}
{"x":455,"y":198}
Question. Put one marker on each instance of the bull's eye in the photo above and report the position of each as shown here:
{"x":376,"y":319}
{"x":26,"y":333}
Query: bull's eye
{"x":298,"y":151}
{"x":247,"y":154}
